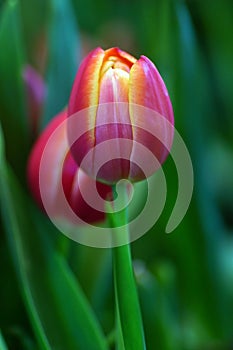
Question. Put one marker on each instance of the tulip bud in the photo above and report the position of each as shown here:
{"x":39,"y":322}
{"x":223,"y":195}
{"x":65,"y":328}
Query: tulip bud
{"x":119,"y":99}
{"x":61,"y":169}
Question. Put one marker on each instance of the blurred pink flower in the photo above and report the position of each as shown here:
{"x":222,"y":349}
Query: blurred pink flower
{"x":61,"y":166}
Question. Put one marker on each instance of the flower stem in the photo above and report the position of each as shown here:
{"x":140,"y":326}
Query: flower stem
{"x":127,"y":303}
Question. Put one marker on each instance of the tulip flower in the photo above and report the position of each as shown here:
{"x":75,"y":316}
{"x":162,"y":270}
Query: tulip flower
{"x":61,"y":166}
{"x":117,"y":97}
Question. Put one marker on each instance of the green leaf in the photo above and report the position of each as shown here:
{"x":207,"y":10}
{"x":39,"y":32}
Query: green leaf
{"x":64,"y":54}
{"x":193,"y":78}
{"x":59,"y":312}
{"x":158,"y":300}
{"x":93,"y":266}
{"x":35,"y":16}
{"x":3,"y":345}
{"x":12,"y":109}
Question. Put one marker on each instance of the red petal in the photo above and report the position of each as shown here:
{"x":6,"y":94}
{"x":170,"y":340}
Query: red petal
{"x":113,"y":122}
{"x":148,"y":89}
{"x":84,"y":97}
{"x":123,"y":56}
{"x":85,"y":89}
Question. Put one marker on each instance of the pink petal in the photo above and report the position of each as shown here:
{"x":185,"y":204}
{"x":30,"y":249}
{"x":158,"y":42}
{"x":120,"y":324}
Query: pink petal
{"x":148,"y":89}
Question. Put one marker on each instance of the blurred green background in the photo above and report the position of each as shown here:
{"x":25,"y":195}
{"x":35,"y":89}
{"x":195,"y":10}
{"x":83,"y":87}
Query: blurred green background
{"x":57,"y":294}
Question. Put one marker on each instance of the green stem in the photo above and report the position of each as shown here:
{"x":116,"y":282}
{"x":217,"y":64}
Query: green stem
{"x":127,"y":303}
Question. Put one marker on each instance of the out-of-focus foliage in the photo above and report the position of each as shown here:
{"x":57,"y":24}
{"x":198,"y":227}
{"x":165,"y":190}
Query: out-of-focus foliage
{"x":56,"y":294}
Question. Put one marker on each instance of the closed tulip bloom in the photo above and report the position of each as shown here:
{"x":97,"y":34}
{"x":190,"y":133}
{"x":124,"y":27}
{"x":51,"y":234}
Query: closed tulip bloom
{"x":61,"y":174}
{"x":119,"y":98}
